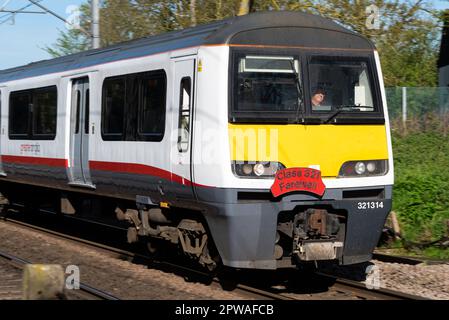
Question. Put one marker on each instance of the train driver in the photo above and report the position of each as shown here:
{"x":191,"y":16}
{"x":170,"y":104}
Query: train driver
{"x":318,"y":98}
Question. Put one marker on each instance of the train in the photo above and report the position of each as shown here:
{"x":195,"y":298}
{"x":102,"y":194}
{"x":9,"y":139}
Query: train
{"x":256,"y":142}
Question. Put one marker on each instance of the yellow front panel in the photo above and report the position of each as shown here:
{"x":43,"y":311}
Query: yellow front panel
{"x":328,"y":146}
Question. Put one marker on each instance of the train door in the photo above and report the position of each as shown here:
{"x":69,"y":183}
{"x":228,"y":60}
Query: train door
{"x":79,"y":174}
{"x":181,"y":149}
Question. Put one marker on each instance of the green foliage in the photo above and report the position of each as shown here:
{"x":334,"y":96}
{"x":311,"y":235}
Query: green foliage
{"x":420,"y":196}
{"x":72,"y":40}
{"x":407,"y":39}
{"x":437,"y":253}
{"x":122,"y":20}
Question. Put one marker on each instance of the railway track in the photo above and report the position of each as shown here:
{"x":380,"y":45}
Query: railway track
{"x":406,"y":260}
{"x":133,"y":256}
{"x":340,"y":289}
{"x":360,"y":290}
{"x":10,"y":280}
{"x":12,"y":288}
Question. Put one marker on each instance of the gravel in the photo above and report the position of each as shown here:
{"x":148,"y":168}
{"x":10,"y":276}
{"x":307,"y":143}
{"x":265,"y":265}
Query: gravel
{"x":122,"y":278}
{"x":129,"y":280}
{"x":426,"y":280}
{"x":430,"y":281}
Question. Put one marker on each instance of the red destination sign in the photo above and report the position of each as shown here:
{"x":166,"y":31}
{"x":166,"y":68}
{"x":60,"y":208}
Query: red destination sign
{"x":298,"y":179}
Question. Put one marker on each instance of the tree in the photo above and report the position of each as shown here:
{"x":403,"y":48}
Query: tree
{"x":72,"y":40}
{"x":246,"y":7}
{"x":406,"y":37}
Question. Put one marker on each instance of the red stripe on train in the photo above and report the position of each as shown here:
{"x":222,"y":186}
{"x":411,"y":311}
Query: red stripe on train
{"x":51,"y":162}
{"x":136,"y":168}
{"x":119,"y":167}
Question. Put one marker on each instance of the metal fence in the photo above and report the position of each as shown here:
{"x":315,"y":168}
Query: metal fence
{"x":406,"y":104}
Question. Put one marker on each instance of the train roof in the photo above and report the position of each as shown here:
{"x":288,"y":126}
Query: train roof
{"x":278,"y":28}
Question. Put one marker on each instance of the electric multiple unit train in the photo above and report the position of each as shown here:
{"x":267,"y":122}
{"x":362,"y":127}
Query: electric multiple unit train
{"x":211,"y":139}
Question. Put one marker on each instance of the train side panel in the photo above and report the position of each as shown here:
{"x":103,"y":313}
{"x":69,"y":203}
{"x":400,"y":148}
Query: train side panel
{"x":35,"y":161}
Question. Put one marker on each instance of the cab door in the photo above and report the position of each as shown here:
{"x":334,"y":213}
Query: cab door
{"x":79,"y":174}
{"x":181,"y":148}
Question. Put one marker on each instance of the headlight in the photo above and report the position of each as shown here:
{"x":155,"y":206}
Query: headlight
{"x":371,"y":166}
{"x":247,"y":169}
{"x":360,"y":168}
{"x":365,"y":168}
{"x":259,"y":169}
{"x":253,"y":169}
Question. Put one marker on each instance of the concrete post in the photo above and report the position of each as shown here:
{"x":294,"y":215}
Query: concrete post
{"x":95,"y":24}
{"x":43,"y":282}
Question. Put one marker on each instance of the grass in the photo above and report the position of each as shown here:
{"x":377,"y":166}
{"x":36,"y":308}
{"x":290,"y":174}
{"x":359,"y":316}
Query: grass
{"x":421,"y":190}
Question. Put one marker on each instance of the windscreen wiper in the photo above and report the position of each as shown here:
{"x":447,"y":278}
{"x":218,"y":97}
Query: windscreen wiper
{"x":346,"y":108}
{"x":300,"y":109}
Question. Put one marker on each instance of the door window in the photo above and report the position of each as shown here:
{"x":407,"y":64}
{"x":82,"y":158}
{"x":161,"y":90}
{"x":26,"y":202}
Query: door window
{"x":184,"y":114}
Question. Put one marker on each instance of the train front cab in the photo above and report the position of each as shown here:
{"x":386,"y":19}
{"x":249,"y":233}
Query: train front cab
{"x":272,"y":125}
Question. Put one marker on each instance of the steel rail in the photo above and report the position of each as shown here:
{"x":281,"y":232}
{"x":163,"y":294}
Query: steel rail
{"x":17,"y":261}
{"x":361,"y":289}
{"x":407,"y":260}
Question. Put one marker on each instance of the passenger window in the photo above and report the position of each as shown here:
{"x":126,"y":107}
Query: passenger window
{"x":86,"y":112}
{"x":78,"y":107}
{"x":33,"y":114}
{"x":151,"y":115}
{"x":184,"y":114}
{"x":113,"y":108}
{"x":19,"y":112}
{"x":134,"y":106}
{"x":45,"y":112}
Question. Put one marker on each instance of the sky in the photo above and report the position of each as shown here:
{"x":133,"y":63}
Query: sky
{"x":23,"y":40}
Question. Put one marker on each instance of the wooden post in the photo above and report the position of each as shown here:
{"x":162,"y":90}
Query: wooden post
{"x":395,"y":222}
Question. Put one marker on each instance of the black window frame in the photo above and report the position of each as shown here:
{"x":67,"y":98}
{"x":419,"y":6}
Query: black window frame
{"x":77,"y":111}
{"x":143,"y":136}
{"x":87,"y":111}
{"x":347,"y":117}
{"x":43,"y":136}
{"x":31,"y":120}
{"x":304,"y":55}
{"x":251,"y":116}
{"x":133,"y":102}
{"x":11,"y":116}
{"x":181,"y":114}
{"x":107,"y":136}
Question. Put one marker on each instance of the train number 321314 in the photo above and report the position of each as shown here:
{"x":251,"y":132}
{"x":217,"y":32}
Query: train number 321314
{"x":366,"y":205}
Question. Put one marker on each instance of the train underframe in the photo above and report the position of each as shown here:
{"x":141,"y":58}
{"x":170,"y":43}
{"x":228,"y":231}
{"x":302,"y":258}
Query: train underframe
{"x":245,"y":230}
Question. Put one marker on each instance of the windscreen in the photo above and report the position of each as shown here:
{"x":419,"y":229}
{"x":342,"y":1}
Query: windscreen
{"x":298,"y":87}
{"x":340,"y":83}
{"x":266,"y":84}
